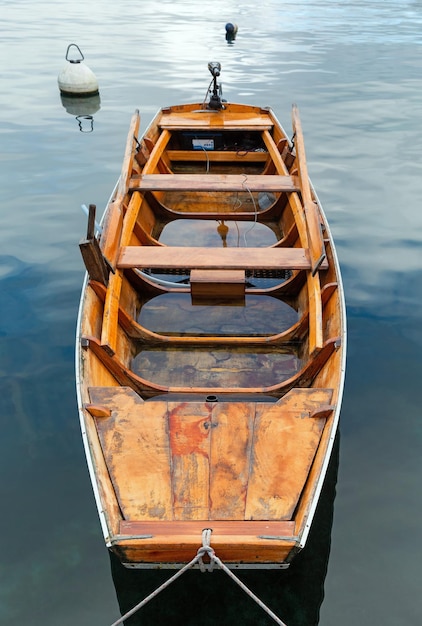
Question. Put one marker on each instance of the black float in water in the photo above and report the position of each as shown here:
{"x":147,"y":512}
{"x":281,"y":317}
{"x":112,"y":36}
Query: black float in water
{"x":231,"y":32}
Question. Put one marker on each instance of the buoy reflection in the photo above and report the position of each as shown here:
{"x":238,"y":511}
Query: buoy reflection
{"x":83,"y":109}
{"x":86,"y":123}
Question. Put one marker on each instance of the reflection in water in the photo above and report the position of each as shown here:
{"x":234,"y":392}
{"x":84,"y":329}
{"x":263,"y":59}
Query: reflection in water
{"x":229,"y":233}
{"x":295,"y":595}
{"x":86,"y":123}
{"x":83,"y":108}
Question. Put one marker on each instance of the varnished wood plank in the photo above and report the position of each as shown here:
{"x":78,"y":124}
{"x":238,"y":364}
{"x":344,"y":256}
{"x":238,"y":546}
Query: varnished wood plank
{"x":111,"y":312}
{"x":110,"y":239}
{"x":162,"y":257}
{"x":233,"y":541}
{"x":129,"y":155}
{"x":274,"y":153}
{"x":217,"y":155}
{"x":219,"y":527}
{"x":316,"y":243}
{"x":316,"y":335}
{"x":212,"y":182}
{"x":217,"y":283}
{"x":231,"y":439}
{"x":156,"y":153}
{"x":189,"y":427}
{"x":308,"y":237}
{"x":93,"y":259}
{"x":231,"y":549}
{"x":216,"y":120}
{"x":285,"y":443}
{"x":161,"y":164}
{"x":111,"y":305}
{"x":136,"y":449}
{"x":305,"y":399}
{"x":97,"y":410}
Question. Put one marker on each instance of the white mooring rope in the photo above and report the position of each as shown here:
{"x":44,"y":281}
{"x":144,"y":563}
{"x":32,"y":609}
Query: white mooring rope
{"x":205,"y":549}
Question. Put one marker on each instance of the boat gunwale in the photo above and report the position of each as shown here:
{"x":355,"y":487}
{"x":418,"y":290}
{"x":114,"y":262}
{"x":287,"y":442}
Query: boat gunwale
{"x":312,"y":504}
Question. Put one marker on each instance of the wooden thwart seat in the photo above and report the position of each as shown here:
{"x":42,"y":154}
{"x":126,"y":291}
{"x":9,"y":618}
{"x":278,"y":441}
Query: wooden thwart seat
{"x":217,"y":120}
{"x":162,"y":257}
{"x":220,"y":259}
{"x":213,"y":182}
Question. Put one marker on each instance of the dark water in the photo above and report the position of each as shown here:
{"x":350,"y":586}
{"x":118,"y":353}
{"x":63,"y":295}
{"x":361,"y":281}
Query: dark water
{"x":354,"y":69}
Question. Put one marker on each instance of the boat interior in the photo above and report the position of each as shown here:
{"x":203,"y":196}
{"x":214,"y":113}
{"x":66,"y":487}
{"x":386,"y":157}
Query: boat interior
{"x":213,"y":300}
{"x":213,"y":236}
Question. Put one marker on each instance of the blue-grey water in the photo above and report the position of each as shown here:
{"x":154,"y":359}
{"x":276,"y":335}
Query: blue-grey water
{"x":354,"y":69}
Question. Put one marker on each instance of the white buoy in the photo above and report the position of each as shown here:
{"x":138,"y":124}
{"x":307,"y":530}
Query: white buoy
{"x":76,"y":79}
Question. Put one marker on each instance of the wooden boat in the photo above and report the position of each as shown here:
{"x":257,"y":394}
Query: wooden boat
{"x":210,"y":349}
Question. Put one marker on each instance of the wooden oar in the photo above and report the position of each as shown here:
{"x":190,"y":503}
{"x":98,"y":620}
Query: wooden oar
{"x":316,"y":243}
{"x":114,"y":221}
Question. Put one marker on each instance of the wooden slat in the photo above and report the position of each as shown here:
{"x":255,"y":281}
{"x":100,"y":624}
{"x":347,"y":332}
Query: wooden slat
{"x":305,"y":399}
{"x":231,"y":440}
{"x":110,"y":238}
{"x":214,"y":258}
{"x":111,"y":313}
{"x":274,"y":153}
{"x":94,"y":260}
{"x":189,"y":432}
{"x":156,"y":154}
{"x":135,"y":445}
{"x":231,"y":548}
{"x":316,"y":335}
{"x":285,"y":443}
{"x":219,"y":527}
{"x":215,"y":120}
{"x":130,"y":148}
{"x":111,"y":306}
{"x":213,"y":182}
{"x":316,"y":339}
{"x":162,"y":165}
{"x":217,"y":155}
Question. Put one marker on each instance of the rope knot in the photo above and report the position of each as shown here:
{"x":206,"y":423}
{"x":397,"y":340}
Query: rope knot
{"x":206,"y":549}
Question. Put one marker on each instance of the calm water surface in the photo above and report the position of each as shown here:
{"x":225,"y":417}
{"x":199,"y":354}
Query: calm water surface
{"x":354,"y":69}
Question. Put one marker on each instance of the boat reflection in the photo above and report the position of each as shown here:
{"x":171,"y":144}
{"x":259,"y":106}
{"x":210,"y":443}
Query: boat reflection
{"x":295,"y":595}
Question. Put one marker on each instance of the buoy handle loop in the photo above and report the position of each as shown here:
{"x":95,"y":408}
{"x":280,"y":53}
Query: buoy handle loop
{"x":79,"y":50}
